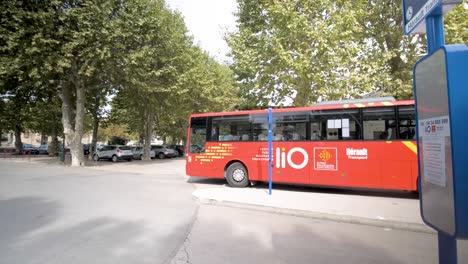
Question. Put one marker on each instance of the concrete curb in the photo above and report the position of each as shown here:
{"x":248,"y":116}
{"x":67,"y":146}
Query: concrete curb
{"x":413,"y":227}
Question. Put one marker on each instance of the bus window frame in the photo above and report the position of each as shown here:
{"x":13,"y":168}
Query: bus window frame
{"x":322,"y":120}
{"x":358,"y":115}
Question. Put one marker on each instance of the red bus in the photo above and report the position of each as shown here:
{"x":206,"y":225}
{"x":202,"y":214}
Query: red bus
{"x":361,"y":144}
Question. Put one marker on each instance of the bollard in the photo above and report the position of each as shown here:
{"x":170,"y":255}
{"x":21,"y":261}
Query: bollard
{"x":62,"y":154}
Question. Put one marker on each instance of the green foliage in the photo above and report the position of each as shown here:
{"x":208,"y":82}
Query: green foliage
{"x":456,"y":25}
{"x":305,"y":51}
{"x":139,"y":50}
{"x":109,"y":131}
{"x":22,"y":83}
{"x":203,"y":86}
{"x":117,"y":141}
{"x":59,"y":58}
{"x":51,"y":45}
{"x":167,"y":78}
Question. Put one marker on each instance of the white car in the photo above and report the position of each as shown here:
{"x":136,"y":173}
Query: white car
{"x":114,"y":153}
{"x":138,"y":153}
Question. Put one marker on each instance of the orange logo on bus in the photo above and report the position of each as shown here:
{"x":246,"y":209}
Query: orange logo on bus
{"x":325,"y":159}
{"x":325,"y":155}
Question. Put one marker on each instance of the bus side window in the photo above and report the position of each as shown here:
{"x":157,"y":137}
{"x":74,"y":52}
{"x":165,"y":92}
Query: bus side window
{"x":259,"y":127}
{"x":315,"y":131}
{"x":231,"y":128}
{"x":335,"y":125}
{"x":290,"y":126}
{"x":379,"y":123}
{"x":407,"y":123}
{"x":215,"y":133}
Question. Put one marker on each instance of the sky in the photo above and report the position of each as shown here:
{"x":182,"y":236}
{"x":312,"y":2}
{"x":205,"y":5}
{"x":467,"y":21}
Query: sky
{"x":207,"y":21}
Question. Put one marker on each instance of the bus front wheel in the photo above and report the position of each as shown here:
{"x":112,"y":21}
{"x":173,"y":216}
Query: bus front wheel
{"x":237,"y":176}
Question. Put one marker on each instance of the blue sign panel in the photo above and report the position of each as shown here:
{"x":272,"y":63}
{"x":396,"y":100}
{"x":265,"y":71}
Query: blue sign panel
{"x":440,"y":81}
{"x":415,"y":12}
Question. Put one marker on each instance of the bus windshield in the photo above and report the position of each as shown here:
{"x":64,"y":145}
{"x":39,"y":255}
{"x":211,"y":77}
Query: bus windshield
{"x":197,"y":135}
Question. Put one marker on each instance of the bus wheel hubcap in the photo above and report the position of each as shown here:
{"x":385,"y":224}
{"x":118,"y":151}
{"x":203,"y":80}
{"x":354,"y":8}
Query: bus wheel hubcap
{"x":238,"y":175}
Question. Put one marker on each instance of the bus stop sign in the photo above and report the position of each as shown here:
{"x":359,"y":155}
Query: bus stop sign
{"x":415,"y":12}
{"x":440,"y":87}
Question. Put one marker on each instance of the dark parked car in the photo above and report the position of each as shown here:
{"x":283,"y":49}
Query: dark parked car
{"x":29,"y":149}
{"x":178,"y":148}
{"x":43,"y":149}
{"x":86,"y":148}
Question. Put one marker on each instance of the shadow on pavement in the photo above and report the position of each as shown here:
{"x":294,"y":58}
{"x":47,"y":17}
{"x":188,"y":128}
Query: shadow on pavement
{"x":32,"y":231}
{"x":198,"y":180}
{"x":22,"y":216}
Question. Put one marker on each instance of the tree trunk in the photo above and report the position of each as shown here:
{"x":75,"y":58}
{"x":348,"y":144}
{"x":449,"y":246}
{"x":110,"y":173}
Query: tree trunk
{"x":53,"y":147}
{"x":92,"y":148}
{"x":44,"y":139}
{"x":18,"y":143}
{"x":183,"y":127}
{"x":73,"y":120}
{"x":77,"y":147}
{"x":148,"y":135}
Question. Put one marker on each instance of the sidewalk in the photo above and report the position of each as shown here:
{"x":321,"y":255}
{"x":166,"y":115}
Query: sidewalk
{"x":386,"y":212}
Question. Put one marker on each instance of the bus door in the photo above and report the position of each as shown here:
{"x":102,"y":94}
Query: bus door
{"x":290,"y":153}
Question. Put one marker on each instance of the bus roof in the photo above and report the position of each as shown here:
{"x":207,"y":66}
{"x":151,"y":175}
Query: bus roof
{"x":323,"y":106}
{"x":356,"y":101}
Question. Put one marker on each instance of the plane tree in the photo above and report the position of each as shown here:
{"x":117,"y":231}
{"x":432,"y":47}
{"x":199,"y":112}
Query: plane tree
{"x":203,"y":85}
{"x":22,"y":82}
{"x":166,"y":76}
{"x":65,"y":47}
{"x":83,"y":52}
{"x":300,"y":52}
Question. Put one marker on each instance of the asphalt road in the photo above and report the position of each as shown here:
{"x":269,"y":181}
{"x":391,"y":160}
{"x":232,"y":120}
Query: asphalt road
{"x":144,"y":212}
{"x":54,"y":214}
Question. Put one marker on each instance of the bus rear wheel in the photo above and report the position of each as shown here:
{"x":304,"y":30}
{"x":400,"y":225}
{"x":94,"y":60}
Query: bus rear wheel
{"x":237,"y":176}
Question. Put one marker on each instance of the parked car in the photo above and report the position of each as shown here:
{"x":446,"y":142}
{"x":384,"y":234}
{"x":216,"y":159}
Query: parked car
{"x":163,"y":151}
{"x":43,"y":149}
{"x":138,"y":153}
{"x":29,"y":149}
{"x":86,"y":148}
{"x":178,"y":148}
{"x":114,"y":153}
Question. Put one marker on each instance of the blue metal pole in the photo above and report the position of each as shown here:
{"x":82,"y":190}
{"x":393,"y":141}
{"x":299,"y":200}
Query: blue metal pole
{"x":447,"y":249}
{"x":430,"y":34}
{"x":434,"y":32}
{"x":439,"y":31}
{"x":270,"y":149}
